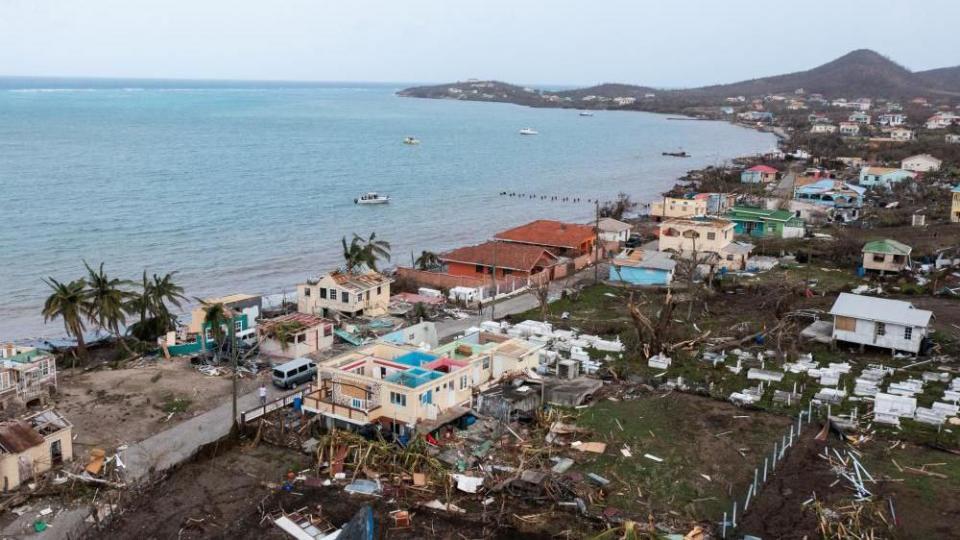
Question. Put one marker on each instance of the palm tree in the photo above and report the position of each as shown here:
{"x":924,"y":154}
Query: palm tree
{"x":427,"y":260}
{"x":139,"y":303}
{"x":164,"y":290}
{"x":150,"y":304}
{"x":360,"y":252}
{"x":68,"y":302}
{"x":214,"y":317}
{"x":108,"y":300}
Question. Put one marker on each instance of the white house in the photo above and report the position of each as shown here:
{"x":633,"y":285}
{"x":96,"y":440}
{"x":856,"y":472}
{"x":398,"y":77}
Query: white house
{"x":952,"y":138}
{"x":921,"y":163}
{"x":892,"y":119}
{"x":612,"y":230}
{"x":823,"y":128}
{"x":879,"y":322}
{"x":901,"y":134}
{"x":350,"y":293}
{"x":942,"y":120}
{"x":849,"y":129}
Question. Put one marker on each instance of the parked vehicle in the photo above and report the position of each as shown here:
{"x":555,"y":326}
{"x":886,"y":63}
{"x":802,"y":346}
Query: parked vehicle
{"x":294,"y":372}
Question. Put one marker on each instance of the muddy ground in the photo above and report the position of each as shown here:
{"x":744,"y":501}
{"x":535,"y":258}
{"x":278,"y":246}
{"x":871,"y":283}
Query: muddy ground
{"x":110,"y":407}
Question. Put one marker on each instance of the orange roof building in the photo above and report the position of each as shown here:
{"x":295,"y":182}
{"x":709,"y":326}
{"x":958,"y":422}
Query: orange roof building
{"x":510,"y":259}
{"x":565,"y":239}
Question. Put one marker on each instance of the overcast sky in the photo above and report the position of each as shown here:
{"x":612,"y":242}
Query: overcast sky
{"x":661,"y":43}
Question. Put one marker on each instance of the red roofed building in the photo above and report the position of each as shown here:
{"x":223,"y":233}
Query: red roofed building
{"x":758,"y":174}
{"x":510,"y":260}
{"x":562,"y":239}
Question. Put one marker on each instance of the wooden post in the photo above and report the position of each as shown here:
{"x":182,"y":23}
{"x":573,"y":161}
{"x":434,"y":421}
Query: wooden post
{"x":596,"y":243}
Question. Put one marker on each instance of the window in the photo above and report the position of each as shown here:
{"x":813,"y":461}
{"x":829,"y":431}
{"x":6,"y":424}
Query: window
{"x":356,"y":403}
{"x":881,"y":329}
{"x":5,"y":380}
{"x":711,"y":236}
{"x":426,"y":397}
{"x":323,"y":292}
{"x":368,"y":295}
{"x":478,"y":269}
{"x":879,"y":257}
{"x":378,"y":290}
{"x":345,"y":296}
{"x":397,"y":398}
{"x":333,"y":294}
{"x":327,"y":330}
{"x":383,"y":372}
{"x":507,"y":271}
{"x":908,"y":333}
{"x":238,"y":325}
{"x":302,"y":369}
{"x":486,"y":363}
{"x":463,"y":382}
{"x":306,"y":291}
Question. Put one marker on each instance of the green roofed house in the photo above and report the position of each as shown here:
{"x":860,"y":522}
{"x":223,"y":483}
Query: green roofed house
{"x":886,"y":256}
{"x":760,"y":222}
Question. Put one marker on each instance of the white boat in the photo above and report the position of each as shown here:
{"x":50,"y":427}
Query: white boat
{"x":411,"y":140}
{"x":372,"y":198}
{"x":529,"y":131}
{"x":586,"y":113}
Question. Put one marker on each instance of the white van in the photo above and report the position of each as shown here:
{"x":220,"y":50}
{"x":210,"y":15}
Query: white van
{"x":294,"y":372}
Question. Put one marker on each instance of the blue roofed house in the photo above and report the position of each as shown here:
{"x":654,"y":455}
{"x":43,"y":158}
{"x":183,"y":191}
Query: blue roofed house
{"x":884,"y":176}
{"x":840,"y":201}
{"x":642,"y":267}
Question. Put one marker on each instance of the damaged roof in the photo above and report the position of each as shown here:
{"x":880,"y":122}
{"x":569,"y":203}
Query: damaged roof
{"x":885,"y":310}
{"x":18,"y":436}
{"x":545,"y":232}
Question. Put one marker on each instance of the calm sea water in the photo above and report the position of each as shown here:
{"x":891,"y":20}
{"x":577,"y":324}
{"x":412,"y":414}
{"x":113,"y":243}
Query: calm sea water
{"x":249,"y":187}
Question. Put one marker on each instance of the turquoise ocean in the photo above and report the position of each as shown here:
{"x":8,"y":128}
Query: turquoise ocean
{"x":248,"y":187}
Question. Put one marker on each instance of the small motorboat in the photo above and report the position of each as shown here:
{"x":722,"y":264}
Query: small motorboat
{"x":529,"y":131}
{"x":411,"y":140}
{"x":372,"y":198}
{"x":586,"y":113}
{"x":681,"y":153}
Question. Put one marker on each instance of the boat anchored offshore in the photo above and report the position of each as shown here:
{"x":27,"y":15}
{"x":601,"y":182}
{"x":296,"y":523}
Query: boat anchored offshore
{"x":372,"y":198}
{"x":529,"y":131}
{"x":586,"y":113}
{"x":411,"y":140}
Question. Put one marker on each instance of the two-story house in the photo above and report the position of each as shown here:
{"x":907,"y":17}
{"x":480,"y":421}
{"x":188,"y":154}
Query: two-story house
{"x":346,"y":293}
{"x":679,"y":207}
{"x":700,"y":236}
{"x":408,"y":390}
{"x":26,"y":374}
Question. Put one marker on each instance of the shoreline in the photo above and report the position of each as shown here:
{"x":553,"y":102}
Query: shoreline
{"x":633,"y":181}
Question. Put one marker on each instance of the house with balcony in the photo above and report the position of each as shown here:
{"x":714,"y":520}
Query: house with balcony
{"x":566,"y":240}
{"x":680,"y":207}
{"x":33,"y":445}
{"x":294,"y":335}
{"x":884,"y":176}
{"x":763,"y":222}
{"x":892,"y":119}
{"x":27,"y":374}
{"x":407,"y":390}
{"x":886,"y":256}
{"x":704,"y":236}
{"x":879,"y":322}
{"x":345,"y":293}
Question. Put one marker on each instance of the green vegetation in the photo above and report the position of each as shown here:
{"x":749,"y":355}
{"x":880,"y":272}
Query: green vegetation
{"x":174,"y":404}
{"x":364,"y":252}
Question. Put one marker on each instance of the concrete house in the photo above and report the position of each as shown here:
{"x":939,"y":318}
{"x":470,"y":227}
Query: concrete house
{"x":704,"y":236}
{"x":301,"y":335}
{"x":955,"y":205}
{"x":679,"y":207}
{"x":891,"y":119}
{"x":951,"y":138}
{"x":884,"y":176}
{"x":859,"y":117}
{"x":901,"y":134}
{"x":849,"y":129}
{"x":921,"y":163}
{"x":840,"y":200}
{"x":407,"y":390}
{"x":641,"y":267}
{"x":758,"y":174}
{"x":879,"y":322}
{"x":886,"y":256}
{"x":614,"y":231}
{"x":33,"y":445}
{"x":822,"y":129}
{"x":942,"y":120}
{"x":761,"y":222}
{"x":363,"y":292}
{"x":510,"y":260}
{"x":27,"y":374}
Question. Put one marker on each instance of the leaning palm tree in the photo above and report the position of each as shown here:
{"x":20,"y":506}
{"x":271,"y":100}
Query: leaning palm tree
{"x":108,"y":300}
{"x":375,"y":250}
{"x":140,"y":302}
{"x":427,"y":260}
{"x":214,"y":317}
{"x":164,"y":291}
{"x":68,"y":302}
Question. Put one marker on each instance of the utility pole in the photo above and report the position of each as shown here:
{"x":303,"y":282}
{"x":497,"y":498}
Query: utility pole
{"x":596,"y":242}
{"x":493,"y":273}
{"x":236,"y":360}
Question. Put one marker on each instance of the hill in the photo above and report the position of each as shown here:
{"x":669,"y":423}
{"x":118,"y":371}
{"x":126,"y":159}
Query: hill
{"x":861,"y":73}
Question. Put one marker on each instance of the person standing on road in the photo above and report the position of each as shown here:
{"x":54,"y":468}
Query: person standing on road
{"x":263,"y":394}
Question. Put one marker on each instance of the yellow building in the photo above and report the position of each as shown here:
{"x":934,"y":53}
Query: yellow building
{"x":678,"y":207}
{"x":240,"y":304}
{"x":348,"y":293}
{"x":32,"y":446}
{"x":955,"y":205}
{"x":405,"y":389}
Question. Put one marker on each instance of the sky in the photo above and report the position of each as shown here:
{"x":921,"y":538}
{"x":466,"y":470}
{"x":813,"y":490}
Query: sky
{"x":677,"y":43}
